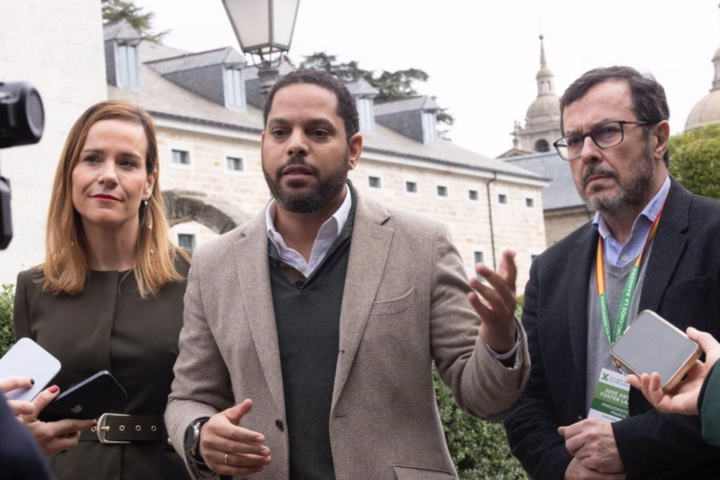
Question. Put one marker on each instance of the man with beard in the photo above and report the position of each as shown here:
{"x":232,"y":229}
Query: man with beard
{"x":310,"y":331}
{"x":652,"y":245}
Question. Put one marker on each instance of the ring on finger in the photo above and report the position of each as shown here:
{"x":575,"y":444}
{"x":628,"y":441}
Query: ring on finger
{"x":226,"y":462}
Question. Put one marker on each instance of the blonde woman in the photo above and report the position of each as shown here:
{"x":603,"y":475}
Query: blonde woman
{"x":108,"y":297}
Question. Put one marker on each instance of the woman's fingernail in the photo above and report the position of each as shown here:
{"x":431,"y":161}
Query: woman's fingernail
{"x":32,"y":382}
{"x":54,"y":389}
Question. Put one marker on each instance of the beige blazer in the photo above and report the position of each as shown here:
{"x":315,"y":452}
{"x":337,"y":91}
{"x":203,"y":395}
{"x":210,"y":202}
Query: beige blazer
{"x":404,"y":307}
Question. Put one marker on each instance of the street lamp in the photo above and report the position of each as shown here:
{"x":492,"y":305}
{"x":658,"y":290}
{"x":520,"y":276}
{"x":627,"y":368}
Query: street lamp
{"x":264,"y":29}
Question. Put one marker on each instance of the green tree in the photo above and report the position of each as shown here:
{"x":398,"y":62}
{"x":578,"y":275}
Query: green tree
{"x":695,"y":160}
{"x":7,"y":338}
{"x":478,"y":448}
{"x":391,"y":85}
{"x":116,"y":10}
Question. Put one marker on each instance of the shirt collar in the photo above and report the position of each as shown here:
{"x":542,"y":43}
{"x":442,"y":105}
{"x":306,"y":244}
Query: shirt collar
{"x":339,"y":218}
{"x":650,"y":212}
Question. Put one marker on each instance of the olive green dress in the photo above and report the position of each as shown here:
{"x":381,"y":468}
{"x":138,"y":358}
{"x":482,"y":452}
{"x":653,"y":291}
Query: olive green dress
{"x":109,"y":327}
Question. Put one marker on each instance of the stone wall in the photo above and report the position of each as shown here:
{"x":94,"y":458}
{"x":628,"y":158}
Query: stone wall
{"x":560,"y":223}
{"x":59,"y":48}
{"x":516,"y":226}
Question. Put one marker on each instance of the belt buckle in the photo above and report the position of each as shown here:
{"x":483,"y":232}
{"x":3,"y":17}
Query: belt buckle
{"x":102,"y":429}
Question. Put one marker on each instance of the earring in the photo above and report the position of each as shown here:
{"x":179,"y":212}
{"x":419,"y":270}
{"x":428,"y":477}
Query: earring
{"x":145,"y":203}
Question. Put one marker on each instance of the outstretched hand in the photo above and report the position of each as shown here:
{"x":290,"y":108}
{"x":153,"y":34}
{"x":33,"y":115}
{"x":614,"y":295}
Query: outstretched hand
{"x":228,"y":448}
{"x":684,"y":397}
{"x":495,"y":303}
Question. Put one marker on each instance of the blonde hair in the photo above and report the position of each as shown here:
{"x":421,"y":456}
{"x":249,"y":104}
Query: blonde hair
{"x":66,"y":266}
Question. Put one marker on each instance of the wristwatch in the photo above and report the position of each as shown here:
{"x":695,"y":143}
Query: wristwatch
{"x":192,"y":440}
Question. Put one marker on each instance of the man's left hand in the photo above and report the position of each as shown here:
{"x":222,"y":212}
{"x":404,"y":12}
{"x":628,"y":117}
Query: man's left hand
{"x":592,"y":442}
{"x":497,"y":307}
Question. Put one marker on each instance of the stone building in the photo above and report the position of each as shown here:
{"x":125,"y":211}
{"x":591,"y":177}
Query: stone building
{"x":563,"y":208}
{"x":542,"y":120}
{"x":707,"y":110}
{"x":205,"y":106}
{"x":57,"y":47}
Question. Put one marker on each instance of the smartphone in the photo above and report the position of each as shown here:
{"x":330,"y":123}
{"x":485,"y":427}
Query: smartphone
{"x":87,"y":400}
{"x":28,"y":359}
{"x":652,"y":344}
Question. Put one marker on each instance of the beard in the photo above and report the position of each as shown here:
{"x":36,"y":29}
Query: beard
{"x":296,"y":196}
{"x":633,"y":191}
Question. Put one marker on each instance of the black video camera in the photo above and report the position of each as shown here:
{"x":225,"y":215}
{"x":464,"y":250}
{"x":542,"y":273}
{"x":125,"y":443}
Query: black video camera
{"x":22,"y":120}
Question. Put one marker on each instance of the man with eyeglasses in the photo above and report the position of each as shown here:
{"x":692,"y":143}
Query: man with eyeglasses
{"x":652,"y":245}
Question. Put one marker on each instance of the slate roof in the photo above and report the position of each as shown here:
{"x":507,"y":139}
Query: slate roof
{"x":561,"y":193}
{"x":188,"y":61}
{"x":165,"y":99}
{"x":121,"y":30}
{"x":406,"y":105}
{"x":362,"y":88}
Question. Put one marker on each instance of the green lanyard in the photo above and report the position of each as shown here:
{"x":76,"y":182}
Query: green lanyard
{"x":621,"y":319}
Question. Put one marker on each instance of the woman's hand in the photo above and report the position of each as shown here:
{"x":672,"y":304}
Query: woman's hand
{"x":14,"y":383}
{"x":54,"y":437}
{"x":684,"y":397}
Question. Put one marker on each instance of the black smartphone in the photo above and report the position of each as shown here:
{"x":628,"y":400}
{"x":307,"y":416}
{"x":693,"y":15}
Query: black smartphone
{"x":87,"y":400}
{"x":652,"y":344}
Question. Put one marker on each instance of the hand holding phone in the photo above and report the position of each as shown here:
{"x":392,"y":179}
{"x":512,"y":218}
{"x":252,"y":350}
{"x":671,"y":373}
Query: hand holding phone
{"x":98,"y":394}
{"x":54,"y":437}
{"x":18,"y":407}
{"x":684,"y":398}
{"x":28,"y":359}
{"x":652,"y":344}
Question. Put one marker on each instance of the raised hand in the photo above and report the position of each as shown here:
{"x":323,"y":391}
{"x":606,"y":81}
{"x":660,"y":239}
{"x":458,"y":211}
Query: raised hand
{"x":228,"y":448}
{"x":495,"y":303}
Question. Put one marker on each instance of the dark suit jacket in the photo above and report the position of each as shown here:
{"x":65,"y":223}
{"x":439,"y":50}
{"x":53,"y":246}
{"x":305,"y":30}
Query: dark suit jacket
{"x":20,"y":458}
{"x":681,"y":284}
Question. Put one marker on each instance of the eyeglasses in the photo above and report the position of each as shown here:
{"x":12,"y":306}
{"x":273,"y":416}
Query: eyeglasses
{"x":606,"y":135}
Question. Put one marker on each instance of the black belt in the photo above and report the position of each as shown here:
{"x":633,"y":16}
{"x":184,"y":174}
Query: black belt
{"x":118,"y":428}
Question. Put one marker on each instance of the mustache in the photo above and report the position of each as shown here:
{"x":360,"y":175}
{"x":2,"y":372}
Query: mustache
{"x":295,"y":161}
{"x":594,"y":169}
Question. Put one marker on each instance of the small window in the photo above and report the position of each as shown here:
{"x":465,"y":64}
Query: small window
{"x":479,"y":257}
{"x":542,"y":146}
{"x":502,"y":198}
{"x":442,"y":191}
{"x":374,"y":182}
{"x":186,"y":241}
{"x":234,"y":164}
{"x":181,"y":157}
{"x":473,"y":195}
{"x":411,"y":187}
{"x":530,"y":202}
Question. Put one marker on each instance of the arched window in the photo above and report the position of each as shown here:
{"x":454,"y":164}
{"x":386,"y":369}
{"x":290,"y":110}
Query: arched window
{"x":542,"y":146}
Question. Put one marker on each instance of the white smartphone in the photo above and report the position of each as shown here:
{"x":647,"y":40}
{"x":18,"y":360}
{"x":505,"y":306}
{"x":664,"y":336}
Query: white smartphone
{"x":652,"y":344}
{"x":28,"y":359}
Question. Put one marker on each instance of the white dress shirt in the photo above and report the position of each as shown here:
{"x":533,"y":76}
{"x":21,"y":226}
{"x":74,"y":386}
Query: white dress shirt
{"x":328,"y":233}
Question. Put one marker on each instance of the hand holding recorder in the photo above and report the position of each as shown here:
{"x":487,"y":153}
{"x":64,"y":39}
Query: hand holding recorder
{"x":684,"y":398}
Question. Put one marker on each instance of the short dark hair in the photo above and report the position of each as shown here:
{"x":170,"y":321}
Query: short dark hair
{"x":346,"y":107}
{"x":648,"y":96}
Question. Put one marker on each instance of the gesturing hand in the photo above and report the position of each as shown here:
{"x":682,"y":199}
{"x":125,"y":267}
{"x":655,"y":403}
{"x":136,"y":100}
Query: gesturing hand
{"x":592,"y":443}
{"x":54,"y":437}
{"x":497,"y":307}
{"x":229,"y":449}
{"x":684,"y":397}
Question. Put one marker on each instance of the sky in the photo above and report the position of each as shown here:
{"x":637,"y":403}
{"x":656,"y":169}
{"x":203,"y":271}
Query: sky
{"x":481,"y":56}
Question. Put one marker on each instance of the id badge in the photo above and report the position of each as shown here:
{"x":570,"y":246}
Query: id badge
{"x":611,"y":399}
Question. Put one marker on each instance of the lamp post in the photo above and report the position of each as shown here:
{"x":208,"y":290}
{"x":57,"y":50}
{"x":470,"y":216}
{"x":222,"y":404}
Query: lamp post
{"x":264,"y":29}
